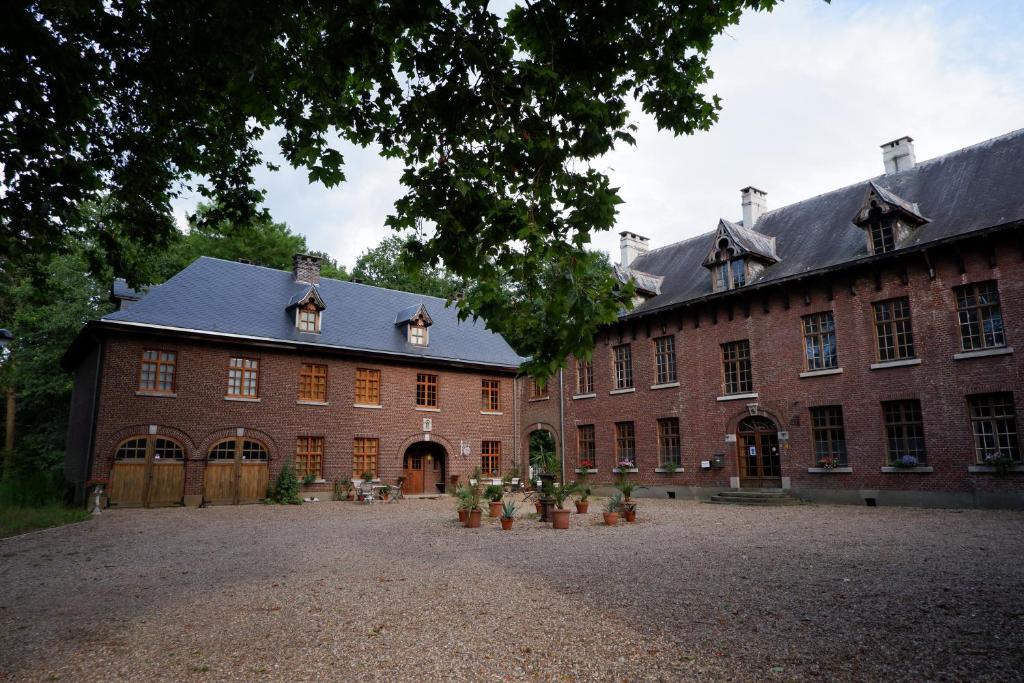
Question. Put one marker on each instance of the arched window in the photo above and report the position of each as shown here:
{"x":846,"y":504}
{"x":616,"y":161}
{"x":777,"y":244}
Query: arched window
{"x":223,"y":450}
{"x":132,"y":449}
{"x":165,"y":449}
{"x":252,"y":451}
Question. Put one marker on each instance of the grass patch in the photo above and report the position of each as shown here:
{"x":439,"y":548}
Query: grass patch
{"x":18,"y":520}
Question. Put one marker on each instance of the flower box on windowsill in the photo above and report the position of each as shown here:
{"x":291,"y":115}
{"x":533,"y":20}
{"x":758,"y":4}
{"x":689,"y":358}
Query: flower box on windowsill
{"x":662,"y":470}
{"x":314,"y":482}
{"x":918,"y":469}
{"x":619,"y":470}
{"x":580,"y":470}
{"x":987,"y":469}
{"x":844,"y":469}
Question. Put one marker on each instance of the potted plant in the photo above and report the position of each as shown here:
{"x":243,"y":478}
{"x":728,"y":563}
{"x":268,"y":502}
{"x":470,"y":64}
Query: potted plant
{"x":461,"y":493}
{"x":629,"y":510}
{"x":670,"y":467}
{"x":508,"y":514}
{"x":560,"y":516}
{"x":474,"y":497}
{"x":1002,"y":463}
{"x":585,"y":466}
{"x":385,"y":491}
{"x":906,"y":461}
{"x":582,"y":499}
{"x":309,"y":479}
{"x":626,"y":487}
{"x":342,"y":489}
{"x":493,"y":494}
{"x":829,"y":462}
{"x":367,"y":475}
{"x":611,"y":509}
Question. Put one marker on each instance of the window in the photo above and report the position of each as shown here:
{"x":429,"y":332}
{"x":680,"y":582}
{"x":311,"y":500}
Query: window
{"x":364,"y":457}
{"x":426,"y":390}
{"x":243,"y":377}
{"x":157,"y":371}
{"x":417,"y":334}
{"x":584,"y":376}
{"x":994,"y":422}
{"x":665,"y":359}
{"x":623,"y":366}
{"x":736,"y":364}
{"x":722,"y":277}
{"x":828,"y":436}
{"x":669,"y":449}
{"x":490,"y":395}
{"x":368,"y":387}
{"x":536,"y":390}
{"x":586,"y":447}
{"x":225,"y":450}
{"x":165,"y":449}
{"x":132,"y":449}
{"x":820,"y":341}
{"x":738,"y":271}
{"x":892,"y":329}
{"x":313,"y":382}
{"x":981,"y":321}
{"x":309,"y":457}
{"x":625,"y":443}
{"x":882,"y":238}
{"x":252,"y":451}
{"x":904,"y":430}
{"x":490,"y":458}
{"x":308,"y":319}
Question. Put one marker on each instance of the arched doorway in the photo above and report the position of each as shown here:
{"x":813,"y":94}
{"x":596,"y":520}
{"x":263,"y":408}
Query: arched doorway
{"x":543,"y":452}
{"x":423,"y":466}
{"x":148,"y":471}
{"x":237,"y":471}
{"x":759,"y":458}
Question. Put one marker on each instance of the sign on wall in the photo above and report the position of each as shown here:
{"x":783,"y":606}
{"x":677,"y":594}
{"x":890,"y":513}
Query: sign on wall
{"x":428,"y":424}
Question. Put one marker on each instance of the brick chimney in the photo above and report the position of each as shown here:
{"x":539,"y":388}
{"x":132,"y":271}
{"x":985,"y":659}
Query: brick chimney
{"x":306,"y":268}
{"x":898,"y":155}
{"x":631,"y":246}
{"x":755,"y":203}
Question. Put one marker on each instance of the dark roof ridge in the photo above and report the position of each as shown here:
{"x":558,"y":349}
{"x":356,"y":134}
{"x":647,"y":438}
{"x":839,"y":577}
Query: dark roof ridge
{"x":710,"y":233}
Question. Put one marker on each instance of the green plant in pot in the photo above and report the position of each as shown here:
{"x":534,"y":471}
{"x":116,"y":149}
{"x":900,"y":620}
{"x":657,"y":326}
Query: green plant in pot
{"x":494,"y":494}
{"x":582,"y":493}
{"x":385,"y":492}
{"x":342,"y":489}
{"x":474,"y":499}
{"x":611,"y":509}
{"x":309,"y":479}
{"x":629,"y":510}
{"x":560,"y":494}
{"x":508,"y":514}
{"x":462,"y":501}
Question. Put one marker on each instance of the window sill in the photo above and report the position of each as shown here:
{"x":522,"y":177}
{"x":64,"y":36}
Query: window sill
{"x":985,"y":469}
{"x":662,"y":470}
{"x":316,"y":481}
{"x":157,"y":394}
{"x":242,"y":399}
{"x":582,"y":471}
{"x":830,"y":470}
{"x":577,"y":397}
{"x":312,"y":403}
{"x":921,"y":469}
{"x":539,"y":398}
{"x":627,"y":390}
{"x":633,"y":470}
{"x":666,"y":385}
{"x":983,"y":353}
{"x":370,"y":406}
{"x":821,"y":373}
{"x":491,"y":412}
{"x":885,"y":365}
{"x":737,"y":397}
{"x":423,"y":409}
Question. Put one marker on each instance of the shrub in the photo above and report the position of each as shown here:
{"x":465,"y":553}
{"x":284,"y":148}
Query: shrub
{"x":286,"y":491}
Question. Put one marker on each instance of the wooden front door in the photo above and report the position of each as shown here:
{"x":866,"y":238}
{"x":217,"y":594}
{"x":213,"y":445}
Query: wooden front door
{"x":147,"y":472}
{"x":237,"y":471}
{"x":760,"y":463}
{"x":412,"y":470}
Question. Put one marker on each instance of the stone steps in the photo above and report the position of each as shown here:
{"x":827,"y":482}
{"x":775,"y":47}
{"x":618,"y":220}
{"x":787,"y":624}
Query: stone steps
{"x":762,"y":497}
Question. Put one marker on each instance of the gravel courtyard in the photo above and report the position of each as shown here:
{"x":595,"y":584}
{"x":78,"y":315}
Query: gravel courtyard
{"x":401,"y":592}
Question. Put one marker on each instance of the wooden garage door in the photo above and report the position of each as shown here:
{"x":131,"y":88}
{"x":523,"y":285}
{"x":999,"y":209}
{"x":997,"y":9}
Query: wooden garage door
{"x":148,"y":471}
{"x":237,"y":471}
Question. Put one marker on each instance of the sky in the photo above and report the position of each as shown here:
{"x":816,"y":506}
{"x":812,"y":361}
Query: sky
{"x":809,"y":93}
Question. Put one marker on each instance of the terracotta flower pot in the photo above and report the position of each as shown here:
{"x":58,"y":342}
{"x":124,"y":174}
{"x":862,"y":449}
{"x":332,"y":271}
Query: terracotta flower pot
{"x":463,"y":515}
{"x":495,"y":508}
{"x":540,"y":507}
{"x":611,"y":518}
{"x":582,"y":506}
{"x":506,"y":523}
{"x":630,"y":516}
{"x":559,"y":519}
{"x":473,"y":521}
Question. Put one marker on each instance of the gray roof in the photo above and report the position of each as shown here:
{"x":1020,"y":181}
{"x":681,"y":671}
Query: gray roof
{"x":972,"y":189}
{"x":121,"y":290}
{"x":644,"y":282}
{"x":226,"y":297}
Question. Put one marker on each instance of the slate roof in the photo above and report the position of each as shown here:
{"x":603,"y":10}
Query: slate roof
{"x":226,"y":297}
{"x":969,"y":190}
{"x":644,"y":282}
{"x":887,"y":196}
{"x":749,"y":241}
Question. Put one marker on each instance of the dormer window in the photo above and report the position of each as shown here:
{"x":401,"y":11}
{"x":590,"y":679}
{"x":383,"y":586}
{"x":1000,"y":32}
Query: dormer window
{"x":886,"y":219}
{"x":416,"y":322}
{"x":309,"y":319}
{"x":738,"y":256}
{"x":309,"y":309}
{"x":738,"y":272}
{"x":417,"y":334}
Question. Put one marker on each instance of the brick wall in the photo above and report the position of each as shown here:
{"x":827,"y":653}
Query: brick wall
{"x":198,"y":415}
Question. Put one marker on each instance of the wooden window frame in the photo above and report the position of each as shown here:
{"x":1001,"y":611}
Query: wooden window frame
{"x":737,"y":368}
{"x":417,"y":339}
{"x":158,"y":364}
{"x":670,"y":444}
{"x":894,"y":332}
{"x":426,"y":390}
{"x":882,"y":232}
{"x":622,"y":366}
{"x":490,"y":458}
{"x":535,"y":391}
{"x":367,"y":387}
{"x":994,"y":426}
{"x":828,"y":435}
{"x":244,"y":372}
{"x":313,"y":382}
{"x":819,"y":331}
{"x":302,"y":324}
{"x":309,"y":457}
{"x":625,"y":442}
{"x":973,"y":317}
{"x":665,"y":359}
{"x":365,"y":450}
{"x":135,"y":446}
{"x":904,"y":423}
{"x":490,"y":395}
{"x":584,"y":376}
{"x":586,"y":447}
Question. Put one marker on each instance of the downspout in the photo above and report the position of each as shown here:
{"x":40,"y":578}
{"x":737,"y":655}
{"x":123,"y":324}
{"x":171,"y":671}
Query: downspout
{"x":515,"y":428}
{"x":95,"y":410}
{"x":561,"y":418}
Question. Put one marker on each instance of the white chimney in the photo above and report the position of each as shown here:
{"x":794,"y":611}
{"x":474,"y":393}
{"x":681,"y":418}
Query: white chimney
{"x":632,"y":245}
{"x":898,"y":155}
{"x":755,"y":203}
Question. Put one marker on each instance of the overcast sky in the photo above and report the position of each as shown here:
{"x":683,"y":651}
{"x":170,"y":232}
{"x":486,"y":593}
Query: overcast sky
{"x":809,"y":93}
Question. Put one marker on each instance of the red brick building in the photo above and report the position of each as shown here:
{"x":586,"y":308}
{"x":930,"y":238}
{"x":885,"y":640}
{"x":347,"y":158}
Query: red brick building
{"x":854,"y":347}
{"x":202,"y":389}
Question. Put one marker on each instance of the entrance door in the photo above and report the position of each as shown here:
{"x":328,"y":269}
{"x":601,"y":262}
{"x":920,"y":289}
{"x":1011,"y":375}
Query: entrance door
{"x":148,"y":472}
{"x":760,"y":465}
{"x":412,"y":470}
{"x":237,"y":471}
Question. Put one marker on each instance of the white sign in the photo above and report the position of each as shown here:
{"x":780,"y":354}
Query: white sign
{"x":428,"y":424}
{"x":752,"y":450}
{"x":730,"y":438}
{"x":705,"y":464}
{"x":783,"y":436}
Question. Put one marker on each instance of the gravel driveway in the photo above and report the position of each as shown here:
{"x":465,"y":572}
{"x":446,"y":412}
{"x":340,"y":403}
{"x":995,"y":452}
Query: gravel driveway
{"x":401,"y":592}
